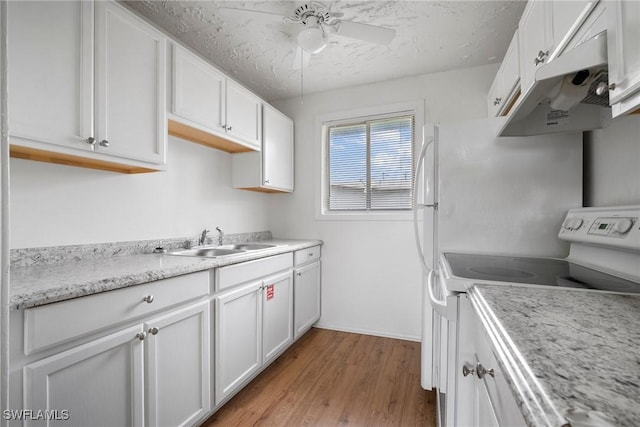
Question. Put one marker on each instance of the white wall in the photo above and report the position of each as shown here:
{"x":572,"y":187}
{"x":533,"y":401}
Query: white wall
{"x":370,"y":273}
{"x":57,"y":205}
{"x":612,"y":164}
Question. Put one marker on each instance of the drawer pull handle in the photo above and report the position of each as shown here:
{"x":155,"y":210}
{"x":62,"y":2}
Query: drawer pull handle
{"x":482,"y":371}
{"x":148,"y":299}
{"x":154,"y":331}
{"x":141,"y":335}
{"x":310,"y":253}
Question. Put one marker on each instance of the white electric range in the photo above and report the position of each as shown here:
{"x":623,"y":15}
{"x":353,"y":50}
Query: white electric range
{"x":604,"y":257}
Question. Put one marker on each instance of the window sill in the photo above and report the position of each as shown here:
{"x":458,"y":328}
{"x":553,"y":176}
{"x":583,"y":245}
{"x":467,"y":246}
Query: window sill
{"x":365,"y":216}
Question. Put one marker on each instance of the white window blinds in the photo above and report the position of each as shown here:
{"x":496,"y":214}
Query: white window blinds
{"x":370,"y":165}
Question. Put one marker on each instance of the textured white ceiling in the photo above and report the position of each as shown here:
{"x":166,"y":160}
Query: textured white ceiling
{"x":259,"y":49}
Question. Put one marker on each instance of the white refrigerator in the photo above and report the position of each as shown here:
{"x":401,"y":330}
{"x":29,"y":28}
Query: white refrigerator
{"x":478,"y":193}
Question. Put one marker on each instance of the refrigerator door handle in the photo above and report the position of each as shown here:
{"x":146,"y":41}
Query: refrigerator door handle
{"x":438,"y":306}
{"x":423,"y":152}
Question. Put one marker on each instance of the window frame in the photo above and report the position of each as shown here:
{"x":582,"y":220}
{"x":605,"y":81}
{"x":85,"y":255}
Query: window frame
{"x":415,"y":108}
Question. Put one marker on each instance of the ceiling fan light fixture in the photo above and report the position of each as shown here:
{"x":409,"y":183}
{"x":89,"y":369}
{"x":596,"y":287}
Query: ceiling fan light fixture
{"x":312,"y":40}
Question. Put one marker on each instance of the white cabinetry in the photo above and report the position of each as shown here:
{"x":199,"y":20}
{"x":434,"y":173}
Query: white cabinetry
{"x":504,"y":90}
{"x":483,"y":397}
{"x":306,"y":289}
{"x":70,"y":96}
{"x":535,"y":34}
{"x":237,"y":338}
{"x":108,"y":366}
{"x":210,"y":109}
{"x":623,"y":38}
{"x":272,"y":169}
{"x":254,"y":320}
{"x":277,"y":315}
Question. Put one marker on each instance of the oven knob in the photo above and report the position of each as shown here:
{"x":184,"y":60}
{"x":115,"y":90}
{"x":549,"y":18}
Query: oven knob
{"x":623,"y":226}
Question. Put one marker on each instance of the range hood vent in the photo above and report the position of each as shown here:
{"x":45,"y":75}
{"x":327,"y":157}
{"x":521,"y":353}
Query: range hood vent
{"x":570,"y":94}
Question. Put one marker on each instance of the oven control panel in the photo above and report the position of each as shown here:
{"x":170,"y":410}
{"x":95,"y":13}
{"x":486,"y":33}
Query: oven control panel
{"x":617,"y":227}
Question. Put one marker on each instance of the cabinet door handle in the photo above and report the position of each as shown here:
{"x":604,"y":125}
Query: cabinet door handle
{"x":154,"y":331}
{"x":104,"y":143}
{"x":91,"y":140}
{"x":141,"y":335}
{"x":148,"y":299}
{"x":229,"y":129}
{"x":266,"y":181}
{"x":497,"y":101}
{"x":466,"y":371}
{"x":482,"y":371}
{"x":542,"y":55}
{"x":298,"y":274}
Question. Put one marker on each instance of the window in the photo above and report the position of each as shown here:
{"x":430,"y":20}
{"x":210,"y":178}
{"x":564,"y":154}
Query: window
{"x":370,"y":164}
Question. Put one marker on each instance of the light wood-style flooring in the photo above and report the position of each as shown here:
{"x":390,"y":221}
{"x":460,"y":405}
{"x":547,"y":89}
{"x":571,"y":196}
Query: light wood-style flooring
{"x":331,"y":378}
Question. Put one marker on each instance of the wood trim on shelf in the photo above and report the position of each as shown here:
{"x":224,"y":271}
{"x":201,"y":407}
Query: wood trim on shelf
{"x":262,"y":190}
{"x":204,"y":138}
{"x":71,"y":160}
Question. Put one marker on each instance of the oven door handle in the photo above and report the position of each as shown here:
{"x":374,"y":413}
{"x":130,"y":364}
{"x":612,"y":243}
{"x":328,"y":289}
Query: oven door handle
{"x":438,"y":306}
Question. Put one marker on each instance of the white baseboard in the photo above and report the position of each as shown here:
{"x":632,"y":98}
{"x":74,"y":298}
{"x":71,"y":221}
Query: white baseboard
{"x":383,"y":334}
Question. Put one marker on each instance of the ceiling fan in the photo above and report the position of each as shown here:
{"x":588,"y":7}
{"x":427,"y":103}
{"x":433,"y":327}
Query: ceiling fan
{"x":319,"y":22}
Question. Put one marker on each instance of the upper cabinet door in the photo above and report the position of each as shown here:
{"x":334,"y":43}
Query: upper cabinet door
{"x":50,"y":72}
{"x":131,"y":73}
{"x":244,"y":118}
{"x":198,"y":91}
{"x":536,"y":40}
{"x":277,"y":149}
{"x":623,"y":38}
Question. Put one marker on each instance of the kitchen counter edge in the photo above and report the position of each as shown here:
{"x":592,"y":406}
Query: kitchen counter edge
{"x":46,"y":284}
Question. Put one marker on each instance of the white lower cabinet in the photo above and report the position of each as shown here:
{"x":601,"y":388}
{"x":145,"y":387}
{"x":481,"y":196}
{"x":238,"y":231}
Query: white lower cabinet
{"x":306,"y":297}
{"x":277,"y":315}
{"x":157,"y":370}
{"x":178,"y":360}
{"x":135,"y":356}
{"x":482,"y":395}
{"x":237,"y":338}
{"x":254,"y":325}
{"x":98,"y":384}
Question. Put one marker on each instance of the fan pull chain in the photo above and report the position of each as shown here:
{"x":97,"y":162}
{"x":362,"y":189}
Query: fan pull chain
{"x":302,"y":77}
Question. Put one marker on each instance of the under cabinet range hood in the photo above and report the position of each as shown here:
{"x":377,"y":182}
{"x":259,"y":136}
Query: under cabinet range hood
{"x":570,"y":93}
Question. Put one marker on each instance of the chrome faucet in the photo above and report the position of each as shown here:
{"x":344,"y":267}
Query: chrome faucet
{"x":220,"y":235}
{"x":203,"y":237}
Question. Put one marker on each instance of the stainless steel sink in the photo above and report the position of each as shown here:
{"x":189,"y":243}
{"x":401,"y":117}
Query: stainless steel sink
{"x":206,"y":252}
{"x":249,"y":246}
{"x":217,"y":251}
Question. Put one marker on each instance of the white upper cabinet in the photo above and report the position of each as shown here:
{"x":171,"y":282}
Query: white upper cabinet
{"x":536,"y":40}
{"x":91,"y":96}
{"x":131,"y":100}
{"x":244,"y":118}
{"x":198,"y":91}
{"x":504,"y":89}
{"x":623,"y":38}
{"x":51,"y":78}
{"x":271,"y":170}
{"x":211,"y":109}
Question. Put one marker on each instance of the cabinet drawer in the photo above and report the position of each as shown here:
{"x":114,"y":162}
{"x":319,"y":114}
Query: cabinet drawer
{"x":305,"y":255}
{"x":232,"y":275}
{"x":498,"y":390}
{"x":52,"y":324}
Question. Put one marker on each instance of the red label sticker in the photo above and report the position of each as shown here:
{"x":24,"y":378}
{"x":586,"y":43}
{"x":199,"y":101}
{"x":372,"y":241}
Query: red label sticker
{"x":270,"y":291}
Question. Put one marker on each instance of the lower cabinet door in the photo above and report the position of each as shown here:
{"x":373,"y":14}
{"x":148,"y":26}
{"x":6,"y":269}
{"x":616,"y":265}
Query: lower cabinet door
{"x":178,"y":374}
{"x":277,"y":315}
{"x":306,"y":297}
{"x":238,"y":346}
{"x":96,"y":384}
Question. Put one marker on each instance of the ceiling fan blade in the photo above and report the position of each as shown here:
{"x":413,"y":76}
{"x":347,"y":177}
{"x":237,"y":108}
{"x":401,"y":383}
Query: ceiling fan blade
{"x":301,"y":58}
{"x":261,"y":12}
{"x":365,"y":32}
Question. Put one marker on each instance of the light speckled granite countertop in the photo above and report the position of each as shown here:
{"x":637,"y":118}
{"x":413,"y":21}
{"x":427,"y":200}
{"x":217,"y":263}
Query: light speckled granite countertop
{"x":570,"y":357}
{"x":42,"y":284}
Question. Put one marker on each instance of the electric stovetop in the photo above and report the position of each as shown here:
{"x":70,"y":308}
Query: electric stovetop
{"x":536,"y":271}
